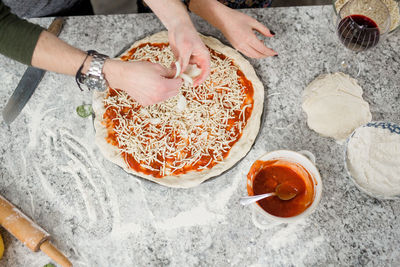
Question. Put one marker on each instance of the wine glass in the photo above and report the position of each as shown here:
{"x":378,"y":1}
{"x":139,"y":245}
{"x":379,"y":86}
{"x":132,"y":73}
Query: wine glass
{"x":360,"y":25}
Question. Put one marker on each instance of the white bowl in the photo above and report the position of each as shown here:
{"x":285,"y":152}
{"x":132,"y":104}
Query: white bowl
{"x":307,"y":160}
{"x":392,"y":127}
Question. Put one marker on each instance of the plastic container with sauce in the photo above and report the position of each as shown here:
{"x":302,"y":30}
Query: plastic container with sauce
{"x":280,"y":211}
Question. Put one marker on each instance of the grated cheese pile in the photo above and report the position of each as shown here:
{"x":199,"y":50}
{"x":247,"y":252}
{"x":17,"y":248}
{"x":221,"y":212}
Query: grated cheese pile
{"x":192,"y":131}
{"x":392,"y":5}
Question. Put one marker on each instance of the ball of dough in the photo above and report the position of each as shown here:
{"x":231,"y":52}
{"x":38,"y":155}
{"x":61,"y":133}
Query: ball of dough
{"x":334,"y":105}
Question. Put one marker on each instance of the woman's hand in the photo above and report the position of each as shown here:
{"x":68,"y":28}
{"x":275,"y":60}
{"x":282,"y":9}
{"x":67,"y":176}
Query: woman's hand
{"x":183,"y":37}
{"x":237,"y":27}
{"x":147,"y":83}
{"x":239,"y":30}
{"x":189,"y":48}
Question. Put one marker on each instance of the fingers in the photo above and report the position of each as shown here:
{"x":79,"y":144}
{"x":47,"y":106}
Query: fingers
{"x":177,"y":69}
{"x":172,"y":44}
{"x":261,"y":28}
{"x":251,"y":52}
{"x":180,"y":61}
{"x":165,"y":72}
{"x":184,"y":60}
{"x":201,"y":58}
{"x":260,"y":47}
{"x":168,"y":73}
{"x":205,"y":65}
{"x":166,"y":89}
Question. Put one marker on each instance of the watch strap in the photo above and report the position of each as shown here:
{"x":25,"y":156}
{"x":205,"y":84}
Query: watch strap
{"x":96,"y":65}
{"x":95,"y":70}
{"x":79,"y":76}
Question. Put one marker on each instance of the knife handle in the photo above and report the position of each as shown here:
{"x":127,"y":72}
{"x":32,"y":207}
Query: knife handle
{"x":56,"y":26}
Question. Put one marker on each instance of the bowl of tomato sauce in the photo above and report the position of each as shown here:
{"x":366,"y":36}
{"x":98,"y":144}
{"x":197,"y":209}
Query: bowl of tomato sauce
{"x":295,"y":170}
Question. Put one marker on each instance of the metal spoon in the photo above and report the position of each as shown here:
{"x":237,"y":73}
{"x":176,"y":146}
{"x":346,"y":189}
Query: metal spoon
{"x":287,"y":194}
{"x":250,"y":199}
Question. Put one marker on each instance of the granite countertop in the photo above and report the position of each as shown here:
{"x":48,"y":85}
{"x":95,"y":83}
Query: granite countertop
{"x":101,"y":216}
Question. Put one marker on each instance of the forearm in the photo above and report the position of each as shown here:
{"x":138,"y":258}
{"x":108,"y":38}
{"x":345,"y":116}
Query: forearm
{"x":210,"y":10}
{"x":172,"y":13}
{"x":53,"y":54}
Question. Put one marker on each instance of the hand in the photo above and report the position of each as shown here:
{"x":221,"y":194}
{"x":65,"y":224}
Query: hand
{"x":148,"y":83}
{"x":239,"y":32}
{"x":189,"y":48}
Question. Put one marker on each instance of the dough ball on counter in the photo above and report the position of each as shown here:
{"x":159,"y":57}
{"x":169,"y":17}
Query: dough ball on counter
{"x":334,"y":105}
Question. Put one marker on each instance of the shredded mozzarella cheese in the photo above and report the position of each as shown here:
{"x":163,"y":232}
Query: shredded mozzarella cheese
{"x":199,"y":126}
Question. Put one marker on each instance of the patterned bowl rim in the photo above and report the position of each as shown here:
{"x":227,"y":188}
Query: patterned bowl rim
{"x":375,"y":124}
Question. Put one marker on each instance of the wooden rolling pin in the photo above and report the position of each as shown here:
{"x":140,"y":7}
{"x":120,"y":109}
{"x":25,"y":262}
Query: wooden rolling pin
{"x":29,"y":233}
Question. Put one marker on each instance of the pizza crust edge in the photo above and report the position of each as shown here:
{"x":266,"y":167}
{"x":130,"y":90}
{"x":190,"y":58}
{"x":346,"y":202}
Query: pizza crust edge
{"x":237,"y":152}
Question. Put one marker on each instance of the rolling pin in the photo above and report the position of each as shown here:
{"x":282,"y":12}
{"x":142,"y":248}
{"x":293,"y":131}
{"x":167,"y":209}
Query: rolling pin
{"x":29,"y":233}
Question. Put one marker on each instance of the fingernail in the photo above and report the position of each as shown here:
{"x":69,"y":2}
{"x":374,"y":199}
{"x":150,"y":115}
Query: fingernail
{"x":272,"y":32}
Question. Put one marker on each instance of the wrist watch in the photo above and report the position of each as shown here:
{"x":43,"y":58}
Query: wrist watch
{"x":94,"y":79}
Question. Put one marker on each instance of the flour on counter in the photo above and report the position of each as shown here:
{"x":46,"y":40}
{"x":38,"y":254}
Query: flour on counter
{"x":194,"y":217}
{"x":373,"y":159}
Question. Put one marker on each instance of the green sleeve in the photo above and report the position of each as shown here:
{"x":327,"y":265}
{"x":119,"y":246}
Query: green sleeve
{"x":18,"y":37}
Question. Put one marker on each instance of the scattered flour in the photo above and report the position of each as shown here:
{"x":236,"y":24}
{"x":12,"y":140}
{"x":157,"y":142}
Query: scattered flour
{"x":284,"y":236}
{"x":86,"y":204}
{"x":194,"y":217}
{"x":373,"y":159}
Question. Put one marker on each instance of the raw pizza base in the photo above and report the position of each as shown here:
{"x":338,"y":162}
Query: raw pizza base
{"x":239,"y":149}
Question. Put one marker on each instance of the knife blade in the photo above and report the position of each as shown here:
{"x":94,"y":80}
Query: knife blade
{"x":28,"y":83}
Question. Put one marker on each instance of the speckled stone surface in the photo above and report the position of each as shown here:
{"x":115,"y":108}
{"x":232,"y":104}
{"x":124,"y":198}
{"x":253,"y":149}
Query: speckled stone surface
{"x":101,"y":216}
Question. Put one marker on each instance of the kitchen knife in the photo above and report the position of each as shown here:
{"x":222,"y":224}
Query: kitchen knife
{"x":28,"y":83}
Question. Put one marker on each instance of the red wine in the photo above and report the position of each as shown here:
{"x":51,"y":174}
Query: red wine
{"x":358,"y":32}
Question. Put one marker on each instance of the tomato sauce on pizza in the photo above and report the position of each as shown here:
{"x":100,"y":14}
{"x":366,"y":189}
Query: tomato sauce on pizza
{"x":161,"y":140}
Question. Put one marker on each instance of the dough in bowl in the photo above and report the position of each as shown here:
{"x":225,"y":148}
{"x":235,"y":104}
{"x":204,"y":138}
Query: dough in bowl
{"x":334,"y":105}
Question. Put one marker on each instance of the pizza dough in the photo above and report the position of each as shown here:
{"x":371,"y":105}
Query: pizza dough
{"x":237,"y":151}
{"x":334,"y":105}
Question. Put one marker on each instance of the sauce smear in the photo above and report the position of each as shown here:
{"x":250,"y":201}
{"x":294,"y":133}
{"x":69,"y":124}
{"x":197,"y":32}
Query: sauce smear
{"x":286,"y":177}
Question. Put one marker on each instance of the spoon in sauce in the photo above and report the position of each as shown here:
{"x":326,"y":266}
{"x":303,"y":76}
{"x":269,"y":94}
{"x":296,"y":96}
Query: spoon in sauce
{"x":283,"y":191}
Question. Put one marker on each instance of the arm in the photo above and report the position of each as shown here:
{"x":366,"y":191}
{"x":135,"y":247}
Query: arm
{"x":53,"y":54}
{"x":183,"y":37}
{"x":28,"y":43}
{"x":14,"y":29}
{"x":236,"y":26}
{"x":146,"y":82}
{"x":172,"y":13}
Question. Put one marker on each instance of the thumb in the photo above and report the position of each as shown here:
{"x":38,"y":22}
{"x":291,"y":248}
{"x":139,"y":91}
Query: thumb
{"x":168,"y":73}
{"x":163,"y":71}
{"x":184,"y":60}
